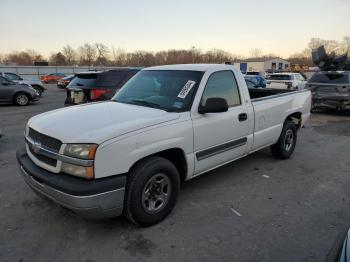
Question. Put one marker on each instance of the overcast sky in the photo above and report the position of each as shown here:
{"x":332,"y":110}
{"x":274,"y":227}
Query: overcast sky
{"x":275,"y":26}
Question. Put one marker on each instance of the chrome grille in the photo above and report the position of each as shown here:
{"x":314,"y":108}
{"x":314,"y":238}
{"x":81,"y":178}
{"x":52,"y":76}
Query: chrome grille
{"x":47,"y":160}
{"x":46,"y":141}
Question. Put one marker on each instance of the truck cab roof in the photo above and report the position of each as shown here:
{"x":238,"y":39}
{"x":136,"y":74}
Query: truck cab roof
{"x":192,"y":67}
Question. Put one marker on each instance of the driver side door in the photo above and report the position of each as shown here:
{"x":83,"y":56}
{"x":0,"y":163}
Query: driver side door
{"x":6,"y":90}
{"x":220,"y":137}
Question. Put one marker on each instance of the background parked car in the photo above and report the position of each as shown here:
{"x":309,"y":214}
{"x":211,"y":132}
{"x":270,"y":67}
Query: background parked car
{"x":255,"y":81}
{"x":286,"y":80}
{"x":330,"y":90}
{"x":97,"y":86}
{"x":255,"y":73}
{"x":64,"y":82}
{"x":52,"y":78}
{"x":14,"y":93}
{"x":35,"y":83}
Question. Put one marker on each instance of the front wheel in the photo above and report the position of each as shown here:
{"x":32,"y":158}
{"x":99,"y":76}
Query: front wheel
{"x":151,"y":192}
{"x":21,"y":99}
{"x":285,"y":145}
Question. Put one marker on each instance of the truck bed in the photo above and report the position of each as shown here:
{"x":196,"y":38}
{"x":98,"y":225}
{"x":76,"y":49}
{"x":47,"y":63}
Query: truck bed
{"x":256,"y":93}
{"x":271,"y":106}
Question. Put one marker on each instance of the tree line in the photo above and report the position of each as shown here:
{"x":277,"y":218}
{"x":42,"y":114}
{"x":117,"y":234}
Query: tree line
{"x":99,"y":54}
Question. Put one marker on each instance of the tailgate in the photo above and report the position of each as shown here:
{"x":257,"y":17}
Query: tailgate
{"x":279,"y":84}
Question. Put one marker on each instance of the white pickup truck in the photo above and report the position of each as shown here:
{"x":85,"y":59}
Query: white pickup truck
{"x":166,"y":125}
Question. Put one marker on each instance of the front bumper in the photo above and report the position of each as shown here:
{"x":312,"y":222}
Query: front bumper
{"x":35,"y":97}
{"x":96,"y":199}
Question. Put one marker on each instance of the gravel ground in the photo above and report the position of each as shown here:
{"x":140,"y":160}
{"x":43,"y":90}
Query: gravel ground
{"x":255,"y":209}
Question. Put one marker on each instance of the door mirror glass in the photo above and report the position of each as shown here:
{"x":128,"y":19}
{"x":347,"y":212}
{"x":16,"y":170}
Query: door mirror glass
{"x":213,"y":105}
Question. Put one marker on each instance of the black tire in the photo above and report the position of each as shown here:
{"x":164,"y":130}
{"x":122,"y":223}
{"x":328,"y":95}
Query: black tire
{"x":21,"y":99}
{"x":285,"y":145}
{"x":149,"y":169}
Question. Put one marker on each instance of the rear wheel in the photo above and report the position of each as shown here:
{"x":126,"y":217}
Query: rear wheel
{"x":21,"y":99}
{"x":152,"y":191}
{"x":285,"y":145}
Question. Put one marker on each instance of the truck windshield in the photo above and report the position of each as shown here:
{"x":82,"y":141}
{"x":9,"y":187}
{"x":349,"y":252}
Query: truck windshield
{"x":170,"y":90}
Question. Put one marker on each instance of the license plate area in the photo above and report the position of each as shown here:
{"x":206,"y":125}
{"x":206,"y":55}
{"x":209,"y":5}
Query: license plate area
{"x":77,"y":96}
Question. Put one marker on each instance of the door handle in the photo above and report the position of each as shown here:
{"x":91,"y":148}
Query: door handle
{"x":242,"y":117}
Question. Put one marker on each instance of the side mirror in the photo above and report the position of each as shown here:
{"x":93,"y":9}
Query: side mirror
{"x":20,"y":78}
{"x":213,"y":105}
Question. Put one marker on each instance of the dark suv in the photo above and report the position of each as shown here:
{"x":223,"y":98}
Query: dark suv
{"x":330,"y":90}
{"x":97,"y":86}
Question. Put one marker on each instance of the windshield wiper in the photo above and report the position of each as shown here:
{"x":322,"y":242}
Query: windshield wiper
{"x":149,"y":104}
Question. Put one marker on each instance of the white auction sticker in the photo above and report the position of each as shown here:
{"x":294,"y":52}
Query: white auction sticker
{"x":186,"y":89}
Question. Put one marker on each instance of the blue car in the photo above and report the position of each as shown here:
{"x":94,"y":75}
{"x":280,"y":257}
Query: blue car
{"x":255,"y":81}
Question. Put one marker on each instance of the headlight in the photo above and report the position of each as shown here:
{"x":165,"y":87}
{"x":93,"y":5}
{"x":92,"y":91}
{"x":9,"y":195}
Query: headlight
{"x":80,"y":171}
{"x":81,"y":151}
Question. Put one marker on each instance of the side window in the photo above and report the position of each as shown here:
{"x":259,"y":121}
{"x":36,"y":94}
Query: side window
{"x":3,"y":80}
{"x":299,"y":77}
{"x":222,"y":84}
{"x":11,"y":76}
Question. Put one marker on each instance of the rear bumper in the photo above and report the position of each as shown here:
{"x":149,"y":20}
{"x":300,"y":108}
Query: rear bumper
{"x":331,"y":101}
{"x":96,"y":199}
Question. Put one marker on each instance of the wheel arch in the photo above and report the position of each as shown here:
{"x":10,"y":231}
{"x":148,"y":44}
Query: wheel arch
{"x":175,"y":156}
{"x":296,"y":118}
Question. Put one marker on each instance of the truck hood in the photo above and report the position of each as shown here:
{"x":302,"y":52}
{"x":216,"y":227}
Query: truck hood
{"x":97,"y":122}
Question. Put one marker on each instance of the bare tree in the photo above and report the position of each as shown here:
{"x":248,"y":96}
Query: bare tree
{"x":23,"y":58}
{"x":102,"y":54}
{"x":58,"y":59}
{"x":87,"y":54}
{"x":119,"y":56}
{"x":255,"y":52}
{"x":69,"y":54}
{"x":346,"y":44}
{"x":329,"y":45}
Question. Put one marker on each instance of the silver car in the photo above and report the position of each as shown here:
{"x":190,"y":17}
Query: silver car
{"x":35,"y":83}
{"x":18,"y":94}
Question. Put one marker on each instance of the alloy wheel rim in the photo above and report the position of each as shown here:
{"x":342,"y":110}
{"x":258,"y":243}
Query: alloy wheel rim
{"x":22,"y":99}
{"x":156,"y":193}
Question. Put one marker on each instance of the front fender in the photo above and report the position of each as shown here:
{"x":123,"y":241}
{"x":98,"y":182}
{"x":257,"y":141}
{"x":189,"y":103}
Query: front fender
{"x":118,"y":156}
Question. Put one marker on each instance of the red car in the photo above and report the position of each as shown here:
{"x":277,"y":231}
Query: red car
{"x":52,"y":78}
